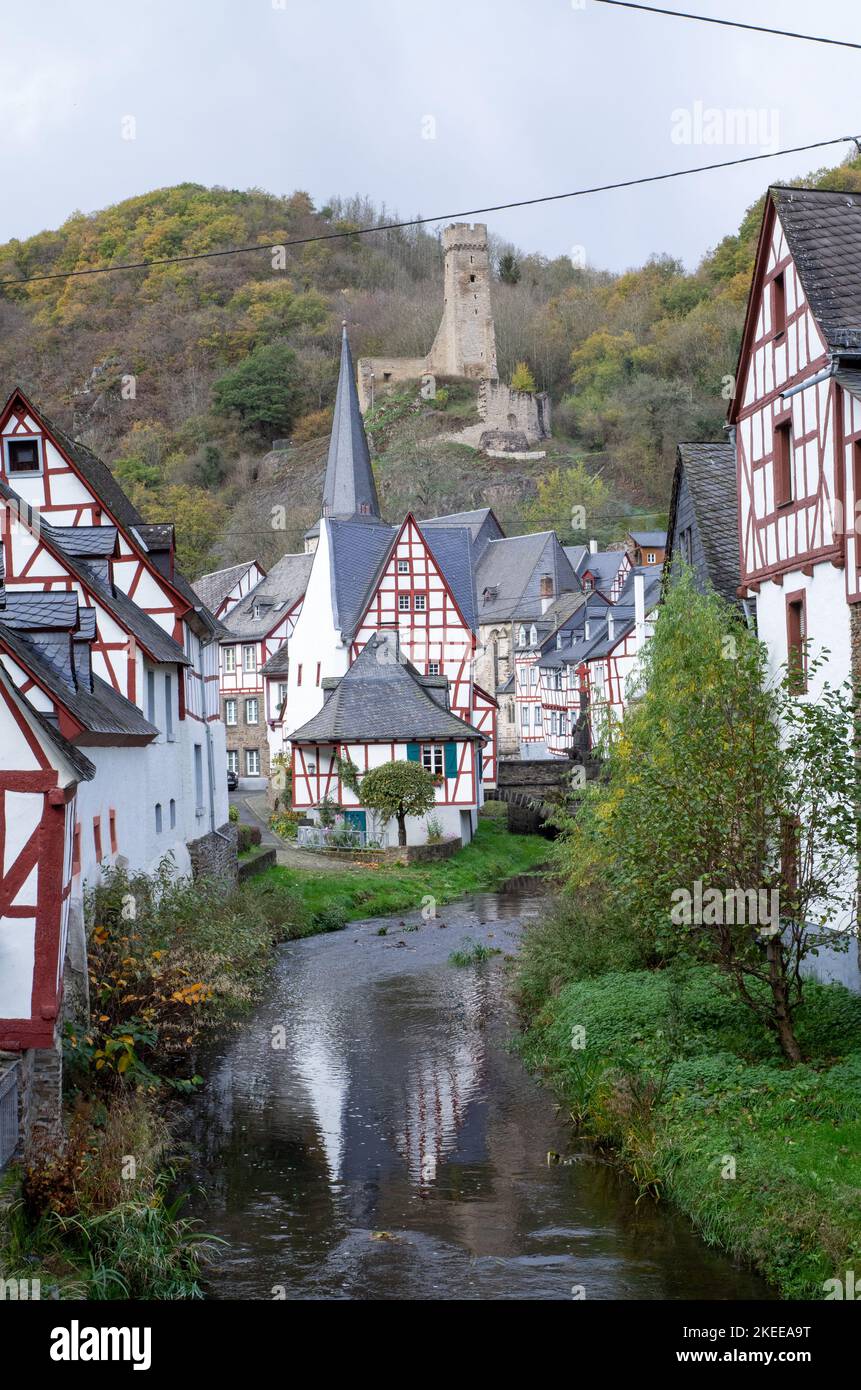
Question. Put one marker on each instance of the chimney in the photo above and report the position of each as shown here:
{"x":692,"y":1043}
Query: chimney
{"x":593,"y":547}
{"x":546,"y":591}
{"x":639,"y":611}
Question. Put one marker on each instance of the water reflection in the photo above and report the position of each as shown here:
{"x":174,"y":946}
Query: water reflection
{"x":368,"y":1134}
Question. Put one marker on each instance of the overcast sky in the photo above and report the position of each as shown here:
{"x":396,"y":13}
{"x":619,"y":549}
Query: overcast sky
{"x":520,"y":97}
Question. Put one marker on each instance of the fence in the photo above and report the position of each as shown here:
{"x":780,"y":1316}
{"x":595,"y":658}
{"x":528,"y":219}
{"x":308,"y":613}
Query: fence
{"x":8,"y":1113}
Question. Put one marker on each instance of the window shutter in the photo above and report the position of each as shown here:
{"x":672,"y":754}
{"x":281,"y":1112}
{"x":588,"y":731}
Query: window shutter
{"x":413,"y":753}
{"x":451,"y":760}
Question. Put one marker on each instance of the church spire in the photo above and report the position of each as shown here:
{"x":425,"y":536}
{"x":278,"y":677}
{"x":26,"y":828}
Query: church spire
{"x":349,"y":492}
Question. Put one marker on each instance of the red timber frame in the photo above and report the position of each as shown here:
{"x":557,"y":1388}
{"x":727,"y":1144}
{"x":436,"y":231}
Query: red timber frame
{"x":48,"y":850}
{"x":808,"y":528}
{"x":438,"y":632}
{"x":128,"y":566}
{"x":486,"y":720}
{"x":310,"y":788}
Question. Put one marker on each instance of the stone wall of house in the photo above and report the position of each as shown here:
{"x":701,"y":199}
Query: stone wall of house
{"x":214,"y":855}
{"x":40,"y":1100}
{"x":241,"y":736}
{"x":375,"y":376}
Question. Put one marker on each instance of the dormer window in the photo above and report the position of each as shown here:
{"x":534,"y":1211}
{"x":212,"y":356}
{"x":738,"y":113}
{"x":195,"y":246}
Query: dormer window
{"x":533,"y":636}
{"x":23,"y":457}
{"x":521,"y":636}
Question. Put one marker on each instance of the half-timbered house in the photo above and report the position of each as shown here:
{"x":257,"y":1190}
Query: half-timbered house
{"x":383,"y":709}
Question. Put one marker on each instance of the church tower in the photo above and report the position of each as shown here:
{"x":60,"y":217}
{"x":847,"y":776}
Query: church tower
{"x":349,"y":490}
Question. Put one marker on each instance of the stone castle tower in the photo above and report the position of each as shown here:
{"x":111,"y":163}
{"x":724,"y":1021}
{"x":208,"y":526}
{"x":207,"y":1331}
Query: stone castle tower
{"x":465,"y":344}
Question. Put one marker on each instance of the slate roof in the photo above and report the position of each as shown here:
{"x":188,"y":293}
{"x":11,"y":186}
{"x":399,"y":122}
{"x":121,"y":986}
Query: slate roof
{"x":349,"y":491}
{"x":451,"y":547}
{"x":278,"y":663}
{"x":823,"y":232}
{"x":604,"y":564}
{"x":383,"y":697}
{"x":655,"y":540}
{"x":710,"y":471}
{"x":481,"y":522}
{"x":282,"y":587}
{"x":84,"y":542}
{"x":105,"y":714}
{"x":511,"y":566}
{"x":358,"y":553}
{"x":576,"y":556}
{"x":213,"y":588}
{"x":81,"y":764}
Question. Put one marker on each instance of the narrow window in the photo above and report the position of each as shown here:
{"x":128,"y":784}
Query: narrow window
{"x":230,"y":712}
{"x":112,"y":830}
{"x":299,"y":674}
{"x":150,"y":696}
{"x":318,"y":673}
{"x":420,"y":602}
{"x":252,"y":711}
{"x":252,"y":762}
{"x":76,"y":852}
{"x":524,"y":716}
{"x":282,"y":694}
{"x":778,"y":305}
{"x":158,"y":820}
{"x":538,"y":717}
{"x":796,"y":637}
{"x":97,"y":837}
{"x":168,"y":706}
{"x":229,"y":660}
{"x":232,"y":760}
{"x":172,"y":814}
{"x":403,"y":603}
{"x":249,"y":658}
{"x":782,"y":463}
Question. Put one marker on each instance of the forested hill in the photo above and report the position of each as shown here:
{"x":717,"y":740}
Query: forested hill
{"x":182,"y":376}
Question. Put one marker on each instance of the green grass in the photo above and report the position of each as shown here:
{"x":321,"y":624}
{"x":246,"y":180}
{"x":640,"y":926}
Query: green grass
{"x":473,"y":953}
{"x":677,"y":1074}
{"x":345,"y":893}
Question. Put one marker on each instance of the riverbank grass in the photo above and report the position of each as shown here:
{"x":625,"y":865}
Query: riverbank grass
{"x":675,"y":1073}
{"x":346,"y":894}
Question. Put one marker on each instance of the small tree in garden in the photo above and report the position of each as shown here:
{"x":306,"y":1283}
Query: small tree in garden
{"x":397,"y":790}
{"x":728,"y":828}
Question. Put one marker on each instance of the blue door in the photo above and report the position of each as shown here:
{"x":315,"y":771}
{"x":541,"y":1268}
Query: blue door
{"x":358,"y":819}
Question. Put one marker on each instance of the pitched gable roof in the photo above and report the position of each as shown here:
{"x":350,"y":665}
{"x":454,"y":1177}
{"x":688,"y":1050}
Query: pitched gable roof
{"x":823,"y":233}
{"x":383,"y":697}
{"x":214,"y":588}
{"x":275,"y":595}
{"x":508,"y":574}
{"x":708,"y":471}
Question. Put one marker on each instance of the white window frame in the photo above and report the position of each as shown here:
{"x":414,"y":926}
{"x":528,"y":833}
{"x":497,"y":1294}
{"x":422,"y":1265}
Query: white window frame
{"x":420,"y":602}
{"x":403,"y":566}
{"x":230,"y":707}
{"x":524,"y":717}
{"x":249,"y":664}
{"x":433,"y":759}
{"x":229,"y":660}
{"x":252,"y":762}
{"x":252,"y":701}
{"x":22,"y":472}
{"x":233,"y":761}
{"x":404,"y":603}
{"x":433,"y":668}
{"x":538,"y":720}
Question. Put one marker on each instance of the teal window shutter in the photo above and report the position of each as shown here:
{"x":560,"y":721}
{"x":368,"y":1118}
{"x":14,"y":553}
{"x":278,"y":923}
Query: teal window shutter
{"x":413,"y":752}
{"x":451,"y":760}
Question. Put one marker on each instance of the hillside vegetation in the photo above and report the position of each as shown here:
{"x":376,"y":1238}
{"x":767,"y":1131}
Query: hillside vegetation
{"x":182,"y":376}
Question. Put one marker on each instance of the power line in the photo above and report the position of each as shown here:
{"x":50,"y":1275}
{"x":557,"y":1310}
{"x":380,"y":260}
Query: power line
{"x":730,"y":23}
{"x":423,"y":221}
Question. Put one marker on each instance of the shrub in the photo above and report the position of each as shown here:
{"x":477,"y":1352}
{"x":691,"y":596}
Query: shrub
{"x":249,"y":837}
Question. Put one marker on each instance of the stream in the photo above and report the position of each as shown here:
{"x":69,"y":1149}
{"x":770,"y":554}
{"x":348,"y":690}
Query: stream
{"x":368,"y":1133}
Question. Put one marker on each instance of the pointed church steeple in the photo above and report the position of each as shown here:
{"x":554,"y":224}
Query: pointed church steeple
{"x":349,"y":491}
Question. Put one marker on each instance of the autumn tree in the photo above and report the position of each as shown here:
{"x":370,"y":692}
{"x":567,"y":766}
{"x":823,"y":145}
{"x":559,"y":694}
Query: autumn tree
{"x":522,"y":378}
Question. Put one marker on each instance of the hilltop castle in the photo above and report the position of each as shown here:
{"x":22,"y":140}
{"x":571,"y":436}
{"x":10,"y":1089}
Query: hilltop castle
{"x":465,"y":346}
